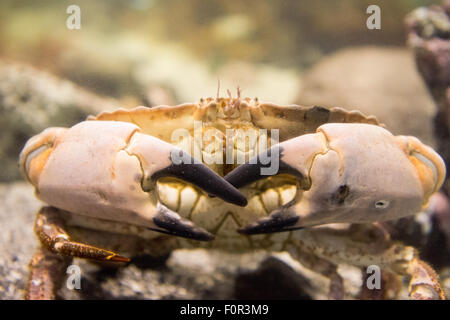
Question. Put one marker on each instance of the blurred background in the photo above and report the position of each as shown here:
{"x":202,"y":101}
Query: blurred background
{"x":152,"y":52}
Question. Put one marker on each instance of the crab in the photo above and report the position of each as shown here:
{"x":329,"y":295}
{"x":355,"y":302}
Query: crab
{"x":232,"y":174}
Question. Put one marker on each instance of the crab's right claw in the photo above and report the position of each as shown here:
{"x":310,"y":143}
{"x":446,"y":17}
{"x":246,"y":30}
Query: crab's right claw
{"x":109,"y":170}
{"x":347,"y":173}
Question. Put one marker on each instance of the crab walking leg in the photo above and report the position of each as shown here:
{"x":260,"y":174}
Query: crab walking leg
{"x":323,"y":267}
{"x":346,"y":246}
{"x":50,"y":230}
{"x":46,"y":270}
{"x":390,"y":287}
{"x":329,"y":270}
{"x":424,"y":284}
{"x":336,"y":286}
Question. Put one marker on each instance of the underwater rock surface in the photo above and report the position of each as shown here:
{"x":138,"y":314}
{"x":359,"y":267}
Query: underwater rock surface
{"x":32,"y":100}
{"x":186,"y":274}
{"x":428,"y":30}
{"x":377,"y":81}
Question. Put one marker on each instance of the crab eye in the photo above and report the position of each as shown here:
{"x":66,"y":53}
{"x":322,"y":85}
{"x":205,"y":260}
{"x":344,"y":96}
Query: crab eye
{"x":381,"y":204}
{"x":342,"y":193}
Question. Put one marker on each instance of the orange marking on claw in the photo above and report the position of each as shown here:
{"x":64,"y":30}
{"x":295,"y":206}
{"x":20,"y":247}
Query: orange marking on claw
{"x":37,"y":165}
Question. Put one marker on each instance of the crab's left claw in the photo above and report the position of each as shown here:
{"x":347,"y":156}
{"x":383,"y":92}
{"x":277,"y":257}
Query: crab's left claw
{"x":353,"y":173}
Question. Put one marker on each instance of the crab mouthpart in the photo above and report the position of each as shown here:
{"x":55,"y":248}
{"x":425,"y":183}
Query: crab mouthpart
{"x":198,"y":174}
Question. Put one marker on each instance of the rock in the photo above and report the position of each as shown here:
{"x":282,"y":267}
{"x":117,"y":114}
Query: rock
{"x":268,"y":83}
{"x":32,"y":100}
{"x":284,"y":282}
{"x":17,"y":240}
{"x":377,"y":81}
{"x":428,"y":231}
{"x":185,"y":274}
{"x":428,"y":31}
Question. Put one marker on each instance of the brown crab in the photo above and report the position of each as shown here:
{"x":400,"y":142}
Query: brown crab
{"x":173,"y":177}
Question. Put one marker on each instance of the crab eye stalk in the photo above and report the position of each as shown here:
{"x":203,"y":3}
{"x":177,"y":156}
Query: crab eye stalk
{"x":343,"y":192}
{"x":382,"y":204}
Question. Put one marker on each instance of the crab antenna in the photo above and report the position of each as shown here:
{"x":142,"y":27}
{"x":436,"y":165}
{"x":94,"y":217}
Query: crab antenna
{"x":218,"y":87}
{"x":238,"y":100}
